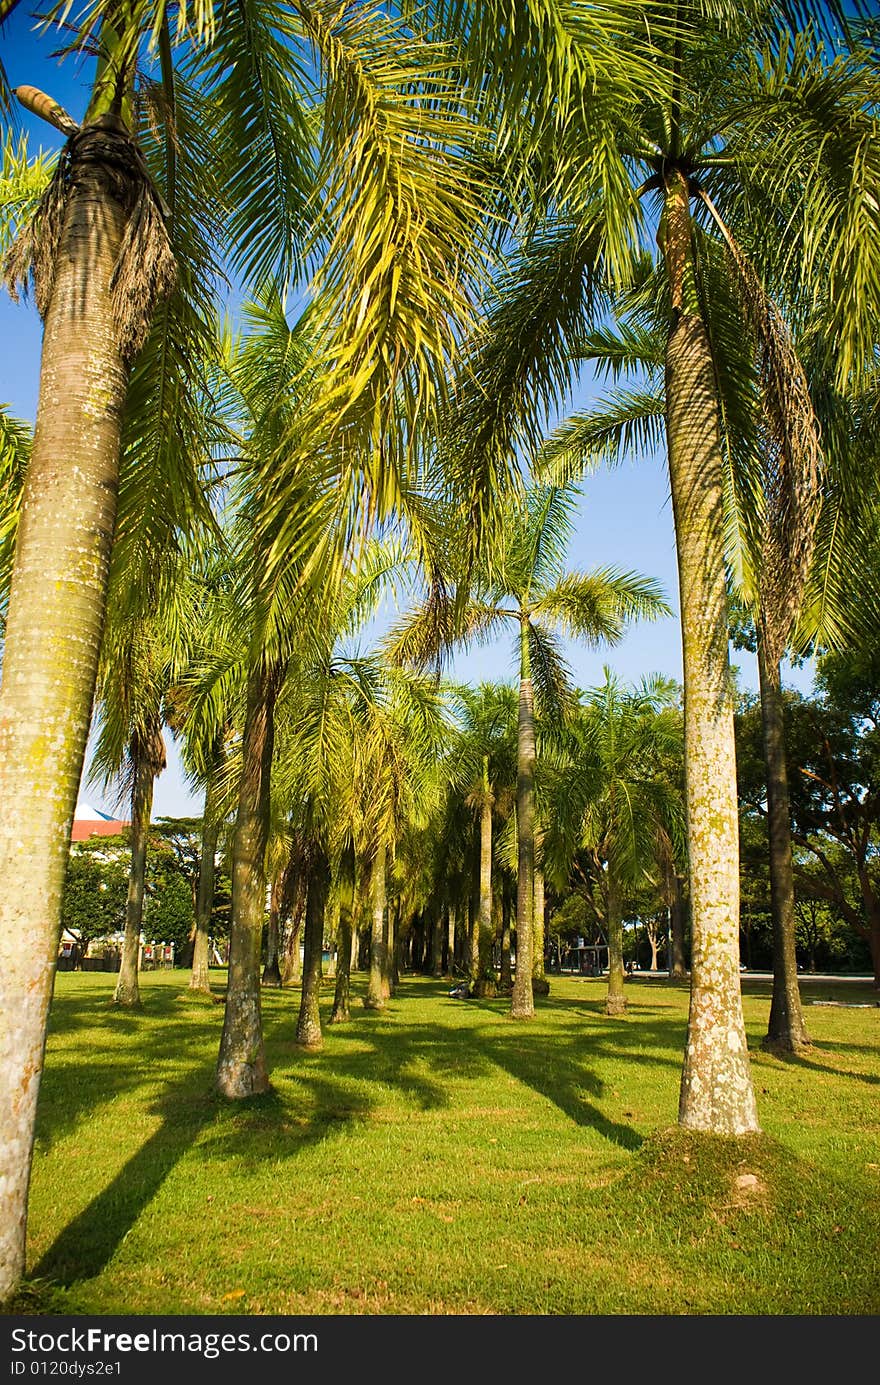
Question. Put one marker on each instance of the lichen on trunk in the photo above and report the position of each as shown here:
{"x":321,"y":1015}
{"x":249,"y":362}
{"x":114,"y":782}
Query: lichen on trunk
{"x":716,"y":1086}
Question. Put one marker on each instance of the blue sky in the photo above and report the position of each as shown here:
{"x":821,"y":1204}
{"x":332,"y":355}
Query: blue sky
{"x":624,"y":518}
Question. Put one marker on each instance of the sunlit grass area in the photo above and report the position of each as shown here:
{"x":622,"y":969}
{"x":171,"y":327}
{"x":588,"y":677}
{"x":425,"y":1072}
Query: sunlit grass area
{"x":440,"y":1158}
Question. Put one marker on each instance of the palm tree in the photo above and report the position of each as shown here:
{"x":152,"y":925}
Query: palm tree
{"x":735,"y":149}
{"x":484,"y":768}
{"x":608,"y":799}
{"x":529,"y":589}
{"x":107,"y":243}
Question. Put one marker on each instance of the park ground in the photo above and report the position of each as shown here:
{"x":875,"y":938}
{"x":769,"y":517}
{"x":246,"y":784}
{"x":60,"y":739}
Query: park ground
{"x":439,"y":1158}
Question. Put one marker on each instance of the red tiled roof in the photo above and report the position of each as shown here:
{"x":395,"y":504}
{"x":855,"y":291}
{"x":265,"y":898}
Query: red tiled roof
{"x":83,"y":828}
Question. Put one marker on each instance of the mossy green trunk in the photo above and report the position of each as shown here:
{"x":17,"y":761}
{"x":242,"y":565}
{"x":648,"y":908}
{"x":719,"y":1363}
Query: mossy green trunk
{"x":53,"y":637}
{"x":522,"y":1003}
{"x":201,"y":979}
{"x":615,"y":999}
{"x":308,"y":1027}
{"x":786,"y":1030}
{"x":375,"y":998}
{"x":241,"y":1066}
{"x":716,"y":1084}
{"x":437,"y":944}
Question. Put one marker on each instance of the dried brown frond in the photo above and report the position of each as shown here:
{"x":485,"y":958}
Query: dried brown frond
{"x":145,"y":269}
{"x":790,"y":457}
{"x":145,"y":272}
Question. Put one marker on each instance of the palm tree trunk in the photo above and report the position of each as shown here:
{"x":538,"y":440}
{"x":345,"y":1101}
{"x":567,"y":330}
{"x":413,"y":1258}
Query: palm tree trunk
{"x":522,"y":1003}
{"x":484,"y":983}
{"x":375,"y":997}
{"x":308,"y":1027}
{"x":786,"y":1031}
{"x":344,"y":955}
{"x":506,"y":968}
{"x":450,"y":940}
{"x":53,"y":637}
{"x":716,"y":1084}
{"x":615,"y":1000}
{"x":678,"y":968}
{"x":272,"y":970}
{"x":148,"y":760}
{"x":200,"y":979}
{"x":241,"y":1066}
{"x":437,"y":945}
{"x":540,"y":984}
{"x":391,"y":968}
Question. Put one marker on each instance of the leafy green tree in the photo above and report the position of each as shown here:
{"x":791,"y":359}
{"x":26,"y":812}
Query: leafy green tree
{"x":95,"y":889}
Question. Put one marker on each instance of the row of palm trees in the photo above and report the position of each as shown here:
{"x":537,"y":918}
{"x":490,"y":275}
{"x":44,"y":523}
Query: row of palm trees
{"x":468,"y":190}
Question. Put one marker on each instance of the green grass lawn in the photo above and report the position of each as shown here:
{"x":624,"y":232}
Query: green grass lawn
{"x":438,"y":1158}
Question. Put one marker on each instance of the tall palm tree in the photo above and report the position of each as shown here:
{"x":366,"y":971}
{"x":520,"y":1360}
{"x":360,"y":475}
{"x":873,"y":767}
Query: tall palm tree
{"x":608,"y":799}
{"x":529,"y":590}
{"x":743,"y":142}
{"x":484,"y":767}
{"x":107,"y":244}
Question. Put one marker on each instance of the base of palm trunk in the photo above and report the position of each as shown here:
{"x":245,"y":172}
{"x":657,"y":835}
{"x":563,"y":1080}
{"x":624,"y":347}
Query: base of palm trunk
{"x":615,"y":1005}
{"x":485,"y":988}
{"x":127,"y":997}
{"x":311,"y":1040}
{"x":341,"y":1016}
{"x":238,"y":1081}
{"x":786,"y":1043}
{"x":372,"y":1002}
{"x":271,"y":978}
{"x":540,"y":985}
{"x":200,"y":984}
{"x":522,"y":1004}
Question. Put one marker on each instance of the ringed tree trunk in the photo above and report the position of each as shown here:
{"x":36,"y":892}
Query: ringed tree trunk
{"x":147,"y":752}
{"x":615,"y":999}
{"x":308,"y":1027}
{"x":375,"y":998}
{"x":241,"y":1065}
{"x":483,"y":980}
{"x":716,"y":1085}
{"x":200,"y":979}
{"x":391,"y":970}
{"x":56,"y":615}
{"x":522,"y":1003}
{"x":786,"y":1030}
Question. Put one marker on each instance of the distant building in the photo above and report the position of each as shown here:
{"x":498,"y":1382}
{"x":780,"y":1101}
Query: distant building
{"x":89,"y":822}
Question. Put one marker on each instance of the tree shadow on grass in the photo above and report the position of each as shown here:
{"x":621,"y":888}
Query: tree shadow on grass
{"x":252,"y":1131}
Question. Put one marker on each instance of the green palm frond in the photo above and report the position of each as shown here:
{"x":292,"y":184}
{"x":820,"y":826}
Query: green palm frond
{"x":15,"y":446}
{"x":595,"y":606}
{"x":541,"y":534}
{"x":261,"y":88}
{"x":551,"y":675}
{"x":23,"y":180}
{"x":806,"y":142}
{"x":439,"y":625}
{"x":520,"y":366}
{"x":627,"y":422}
